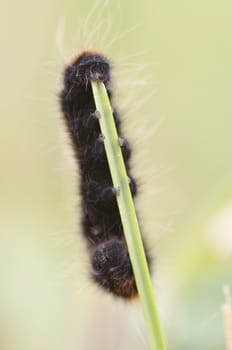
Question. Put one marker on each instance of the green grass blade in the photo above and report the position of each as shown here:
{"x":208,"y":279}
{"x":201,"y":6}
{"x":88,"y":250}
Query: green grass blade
{"x":128,"y":216}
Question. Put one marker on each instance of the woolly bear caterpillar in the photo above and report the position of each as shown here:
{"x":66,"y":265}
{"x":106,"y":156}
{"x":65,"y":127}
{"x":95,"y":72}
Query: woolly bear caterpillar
{"x":102,"y":227}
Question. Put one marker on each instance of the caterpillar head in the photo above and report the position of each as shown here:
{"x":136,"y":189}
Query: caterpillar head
{"x":112,"y":269}
{"x":88,"y":66}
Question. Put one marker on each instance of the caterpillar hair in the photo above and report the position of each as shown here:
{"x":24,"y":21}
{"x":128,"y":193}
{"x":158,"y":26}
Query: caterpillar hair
{"x":102,"y":228}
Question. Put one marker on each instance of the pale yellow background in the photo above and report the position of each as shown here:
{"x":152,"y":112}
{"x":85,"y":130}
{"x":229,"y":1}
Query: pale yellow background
{"x":173,"y":76}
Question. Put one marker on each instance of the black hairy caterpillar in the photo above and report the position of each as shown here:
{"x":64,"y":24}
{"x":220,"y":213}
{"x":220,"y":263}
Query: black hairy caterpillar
{"x":102,"y":227}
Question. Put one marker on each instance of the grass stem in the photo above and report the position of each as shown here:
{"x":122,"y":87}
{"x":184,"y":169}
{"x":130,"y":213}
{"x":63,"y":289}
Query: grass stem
{"x":128,"y":216}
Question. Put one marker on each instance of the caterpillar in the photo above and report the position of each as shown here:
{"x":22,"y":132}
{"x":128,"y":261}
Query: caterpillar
{"x":101,"y":224}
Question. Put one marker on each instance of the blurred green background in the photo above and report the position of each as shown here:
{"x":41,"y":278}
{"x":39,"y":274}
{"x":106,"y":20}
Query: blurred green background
{"x":173,"y":78}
